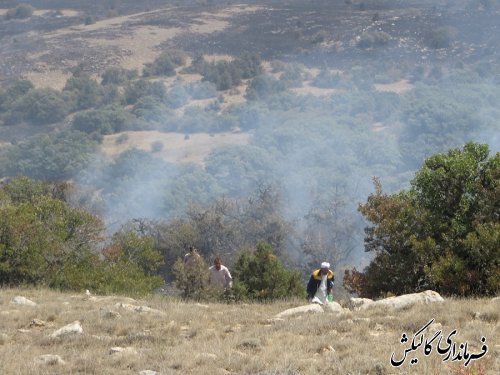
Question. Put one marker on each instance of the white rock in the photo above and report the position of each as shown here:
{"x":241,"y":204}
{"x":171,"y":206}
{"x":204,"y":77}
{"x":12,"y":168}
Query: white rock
{"x":37,"y":323}
{"x":406,"y":300}
{"x":495,"y":299}
{"x":138,"y":309}
{"x":70,"y":329}
{"x":124,"y":351}
{"x":334,"y":307}
{"x":49,"y":359}
{"x":307,"y":309}
{"x":20,"y":300}
{"x":109,"y":314}
{"x":149,"y":372}
{"x":356,"y":303}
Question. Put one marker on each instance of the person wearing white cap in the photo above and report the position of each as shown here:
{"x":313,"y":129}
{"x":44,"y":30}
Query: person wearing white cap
{"x":319,"y":287}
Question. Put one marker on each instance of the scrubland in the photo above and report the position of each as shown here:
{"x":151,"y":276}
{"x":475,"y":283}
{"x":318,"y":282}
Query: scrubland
{"x":169,"y":336}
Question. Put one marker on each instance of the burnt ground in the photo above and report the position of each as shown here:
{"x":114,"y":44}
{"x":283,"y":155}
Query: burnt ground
{"x":319,"y":33}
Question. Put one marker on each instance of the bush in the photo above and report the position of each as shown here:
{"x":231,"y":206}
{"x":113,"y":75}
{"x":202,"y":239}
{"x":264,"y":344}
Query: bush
{"x":157,"y":146}
{"x":226,"y":74}
{"x":138,"y":89}
{"x":163,"y":66}
{"x":55,"y":157}
{"x":192,"y":278}
{"x":20,"y":12}
{"x":442,"y":234}
{"x":373,"y":38}
{"x":86,"y":91}
{"x":102,"y":121}
{"x":325,"y":79}
{"x":264,"y":86}
{"x":47,"y":242}
{"x":117,"y":76}
{"x":39,"y":106}
{"x":261,"y":276}
{"x":441,"y":37}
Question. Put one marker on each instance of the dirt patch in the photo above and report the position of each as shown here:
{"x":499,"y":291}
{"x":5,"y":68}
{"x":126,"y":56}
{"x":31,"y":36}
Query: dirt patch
{"x":55,"y":79}
{"x":398,"y":87}
{"x":177,"y":147}
{"x":306,"y":89}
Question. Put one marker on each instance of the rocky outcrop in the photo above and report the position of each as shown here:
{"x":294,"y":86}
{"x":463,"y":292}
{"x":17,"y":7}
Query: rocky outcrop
{"x":70,"y":329}
{"x":307,"y":309}
{"x":403,"y":301}
{"x":20,"y":300}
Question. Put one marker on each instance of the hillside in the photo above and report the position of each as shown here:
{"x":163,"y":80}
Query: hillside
{"x":121,"y":335}
{"x":324,"y":128}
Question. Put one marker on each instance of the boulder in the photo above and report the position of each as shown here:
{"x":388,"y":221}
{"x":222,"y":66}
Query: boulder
{"x":49,"y":360}
{"x":405,"y":300}
{"x":70,"y":329}
{"x":301,"y":310}
{"x":138,"y":309}
{"x":333,"y":307}
{"x":128,"y":351}
{"x":20,"y":300}
{"x":356,"y":303}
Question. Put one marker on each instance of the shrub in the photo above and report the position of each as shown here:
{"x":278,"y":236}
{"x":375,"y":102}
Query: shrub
{"x":117,"y":76}
{"x":20,"y":12}
{"x":86,"y":91}
{"x":39,"y":106}
{"x":326,"y":79}
{"x":373,"y":38}
{"x":47,"y":242}
{"x":102,"y":121}
{"x":442,"y":234}
{"x":441,"y":37}
{"x":163,"y":65}
{"x":138,"y":89}
{"x":261,"y":276}
{"x":157,"y":146}
{"x":45,"y":157}
{"x":191,"y":278}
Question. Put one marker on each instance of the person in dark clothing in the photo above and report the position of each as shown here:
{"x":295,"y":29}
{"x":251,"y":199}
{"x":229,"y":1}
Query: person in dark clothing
{"x":319,"y":287}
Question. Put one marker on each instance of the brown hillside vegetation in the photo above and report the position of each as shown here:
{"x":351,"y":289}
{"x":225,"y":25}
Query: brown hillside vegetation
{"x":121,"y":335}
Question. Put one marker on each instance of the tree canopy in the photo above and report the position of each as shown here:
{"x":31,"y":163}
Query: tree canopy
{"x":442,"y":233}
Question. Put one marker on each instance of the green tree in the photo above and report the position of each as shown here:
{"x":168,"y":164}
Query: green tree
{"x":20,"y":12}
{"x":163,"y":65}
{"x":45,"y":157}
{"x":39,"y":106}
{"x":442,"y":233}
{"x":260,"y":275}
{"x":45,"y":241}
{"x":107,"y":120}
{"x":86,"y":91}
{"x":192,"y":277}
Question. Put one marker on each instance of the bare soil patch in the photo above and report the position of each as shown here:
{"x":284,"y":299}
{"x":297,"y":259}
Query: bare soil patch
{"x":177,"y":147}
{"x":398,"y":87}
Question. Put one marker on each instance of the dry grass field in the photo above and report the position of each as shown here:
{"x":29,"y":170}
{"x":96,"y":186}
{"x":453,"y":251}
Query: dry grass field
{"x":122,"y":335}
{"x":176,"y":147}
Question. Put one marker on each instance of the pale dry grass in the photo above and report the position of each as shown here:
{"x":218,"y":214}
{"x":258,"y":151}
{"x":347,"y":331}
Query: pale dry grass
{"x":398,"y":87}
{"x":193,"y":338}
{"x":177,"y":148}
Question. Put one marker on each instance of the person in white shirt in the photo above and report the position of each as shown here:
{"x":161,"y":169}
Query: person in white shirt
{"x":220,"y":276}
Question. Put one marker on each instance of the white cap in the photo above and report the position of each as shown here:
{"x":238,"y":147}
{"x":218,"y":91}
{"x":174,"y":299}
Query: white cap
{"x":325,"y":265}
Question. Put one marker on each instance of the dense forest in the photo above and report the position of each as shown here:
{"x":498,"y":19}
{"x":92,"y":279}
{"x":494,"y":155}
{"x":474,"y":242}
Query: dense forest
{"x":303,"y":183}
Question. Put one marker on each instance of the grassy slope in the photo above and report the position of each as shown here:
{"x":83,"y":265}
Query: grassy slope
{"x":194,"y":338}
